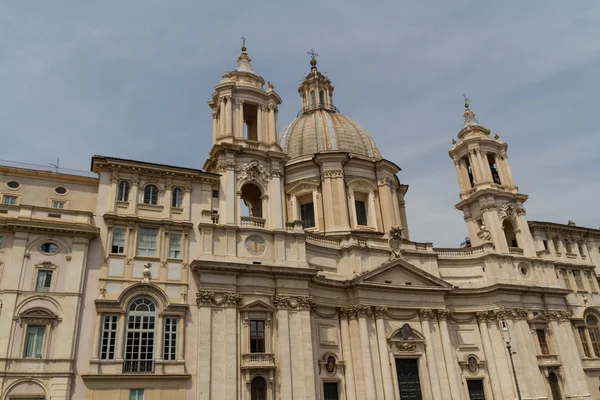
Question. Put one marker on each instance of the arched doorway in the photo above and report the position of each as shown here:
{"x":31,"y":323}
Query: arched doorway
{"x":509,"y":233}
{"x":554,"y":386}
{"x":258,"y":389}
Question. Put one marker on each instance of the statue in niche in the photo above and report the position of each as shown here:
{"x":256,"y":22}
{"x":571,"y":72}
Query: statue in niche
{"x":147,"y":273}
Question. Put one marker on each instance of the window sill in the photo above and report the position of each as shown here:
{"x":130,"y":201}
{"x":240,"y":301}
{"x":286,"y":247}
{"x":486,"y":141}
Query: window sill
{"x":147,"y":258}
{"x":117,"y":255}
{"x":364,"y":228}
{"x":177,"y":210}
{"x":177,"y":260}
{"x":150,"y":207}
{"x":122,"y":204}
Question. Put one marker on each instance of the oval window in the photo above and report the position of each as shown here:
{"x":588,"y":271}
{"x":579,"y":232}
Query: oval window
{"x":49,"y":248}
{"x":13,"y":184}
{"x":60,"y":190}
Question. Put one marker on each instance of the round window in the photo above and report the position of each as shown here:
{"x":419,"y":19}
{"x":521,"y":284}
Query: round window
{"x":13,"y":184}
{"x":524,"y":270}
{"x":60,"y":190}
{"x":49,"y":248}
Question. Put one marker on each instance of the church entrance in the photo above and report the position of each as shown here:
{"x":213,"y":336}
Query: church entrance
{"x":475,"y":387}
{"x":407,"y":370}
{"x":554,"y":386}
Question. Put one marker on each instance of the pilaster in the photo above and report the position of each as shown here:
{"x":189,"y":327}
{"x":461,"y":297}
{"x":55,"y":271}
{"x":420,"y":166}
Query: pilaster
{"x":426,"y":316}
{"x":449,"y":355}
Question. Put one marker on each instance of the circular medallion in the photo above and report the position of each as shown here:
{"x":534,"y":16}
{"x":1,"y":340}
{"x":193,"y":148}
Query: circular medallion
{"x":330,"y":365}
{"x":472,"y":364}
{"x":255,"y":245}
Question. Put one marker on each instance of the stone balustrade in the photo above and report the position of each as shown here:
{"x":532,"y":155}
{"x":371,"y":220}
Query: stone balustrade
{"x":253,"y":222}
{"x":254,"y":360}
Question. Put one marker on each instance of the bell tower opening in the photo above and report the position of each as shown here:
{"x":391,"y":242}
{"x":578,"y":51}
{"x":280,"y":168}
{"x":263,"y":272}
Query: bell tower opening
{"x":509,"y":233}
{"x":250,"y":112}
{"x":251,"y":201}
{"x":491,"y":159}
{"x":469,"y":171}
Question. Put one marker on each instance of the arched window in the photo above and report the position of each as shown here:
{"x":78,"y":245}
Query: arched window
{"x":140,"y":337}
{"x":313,"y":99}
{"x":177,"y":199}
{"x":258,"y":389}
{"x":594,"y":331}
{"x":151,"y":194}
{"x":123,"y":191}
{"x":509,"y":233}
{"x":252,"y":200}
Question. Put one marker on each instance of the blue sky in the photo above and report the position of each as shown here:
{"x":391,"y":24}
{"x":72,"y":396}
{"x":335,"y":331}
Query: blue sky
{"x":131,"y":79}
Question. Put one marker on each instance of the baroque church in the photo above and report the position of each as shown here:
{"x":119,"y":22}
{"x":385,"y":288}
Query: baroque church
{"x":284,"y":269}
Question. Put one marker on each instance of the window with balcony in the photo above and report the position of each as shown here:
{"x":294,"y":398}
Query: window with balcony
{"x":10,"y":200}
{"x":34,"y":341}
{"x":170,"y":339}
{"x":147,"y":242}
{"x":118,"y":240}
{"x":175,"y":245}
{"x":151,"y":195}
{"x":43,"y":281}
{"x":542,"y":340}
{"x":123,"y":194}
{"x":257,"y":336}
{"x":177,"y":198}
{"x":108,"y":338}
{"x":140,"y":335}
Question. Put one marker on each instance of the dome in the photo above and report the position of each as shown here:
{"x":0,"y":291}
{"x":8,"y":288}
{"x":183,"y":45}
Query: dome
{"x":323,"y":130}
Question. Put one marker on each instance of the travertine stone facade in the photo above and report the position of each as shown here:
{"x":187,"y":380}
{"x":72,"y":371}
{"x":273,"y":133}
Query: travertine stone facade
{"x":285,"y":270}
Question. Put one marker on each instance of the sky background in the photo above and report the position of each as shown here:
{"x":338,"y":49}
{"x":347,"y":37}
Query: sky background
{"x":131,"y":79}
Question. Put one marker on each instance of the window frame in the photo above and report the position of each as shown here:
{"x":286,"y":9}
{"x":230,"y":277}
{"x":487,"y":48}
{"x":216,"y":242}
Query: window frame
{"x":565,"y":278}
{"x":37,"y":279}
{"x":257,"y":340}
{"x":173,"y":252}
{"x":358,"y":216}
{"x":148,"y":195}
{"x":543,"y":341}
{"x":42,"y":349}
{"x":54,"y":203}
{"x":136,"y":394}
{"x":593,"y":331}
{"x":170,"y":337}
{"x":177,"y":198}
{"x":6,"y":197}
{"x":156,"y":240}
{"x":578,"y":279}
{"x":124,"y":239}
{"x":110,"y":334}
{"x":1,"y":242}
{"x":123,"y":194}
{"x":140,"y":328}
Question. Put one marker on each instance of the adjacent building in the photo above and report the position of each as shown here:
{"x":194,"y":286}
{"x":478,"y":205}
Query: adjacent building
{"x":284,"y":269}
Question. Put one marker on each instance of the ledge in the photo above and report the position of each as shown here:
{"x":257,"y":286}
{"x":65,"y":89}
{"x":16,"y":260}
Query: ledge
{"x":136,"y":377}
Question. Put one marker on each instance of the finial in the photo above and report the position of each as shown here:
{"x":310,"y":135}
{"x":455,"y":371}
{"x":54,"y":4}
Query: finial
{"x":313,"y":57}
{"x":243,"y":43}
{"x":467,"y":101}
{"x":453,"y":141}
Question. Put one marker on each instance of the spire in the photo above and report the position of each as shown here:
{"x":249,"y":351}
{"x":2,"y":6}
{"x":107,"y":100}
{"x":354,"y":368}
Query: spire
{"x":313,"y":60}
{"x":469,"y":115}
{"x":244,"y":61}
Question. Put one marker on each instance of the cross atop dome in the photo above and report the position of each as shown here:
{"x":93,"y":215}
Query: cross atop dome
{"x":469,"y":115}
{"x":244,"y":61}
{"x":313,"y":59}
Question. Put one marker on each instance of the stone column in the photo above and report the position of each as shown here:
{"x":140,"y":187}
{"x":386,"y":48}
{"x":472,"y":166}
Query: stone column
{"x":271,"y":121}
{"x":297,"y":359}
{"x":501,"y":357}
{"x":204,"y":341}
{"x":222,"y":117}
{"x":239,"y":129}
{"x":96,"y":342}
{"x":465,"y":173}
{"x":461,"y":183}
{"x":501,"y":173}
{"x":347,"y":354}
{"x":489,"y":355}
{"x":449,"y":355}
{"x":506,"y":166}
{"x":284,"y":366}
{"x":359,"y":376}
{"x":475,"y":167}
{"x":369,"y":374}
{"x":159,"y":339}
{"x":120,"y":337}
{"x":384,"y":354}
{"x":259,"y":124}
{"x":180,"y":339}
{"x":215,"y":116}
{"x":426,"y":316}
{"x":306,"y":304}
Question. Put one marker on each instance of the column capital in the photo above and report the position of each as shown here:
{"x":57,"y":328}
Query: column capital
{"x":379,"y":311}
{"x":222,"y":299}
{"x":442,"y":315}
{"x":426,"y":314}
{"x":482,"y":316}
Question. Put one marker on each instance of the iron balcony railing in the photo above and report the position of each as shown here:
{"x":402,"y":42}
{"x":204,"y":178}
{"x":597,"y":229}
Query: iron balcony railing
{"x":138,"y":367}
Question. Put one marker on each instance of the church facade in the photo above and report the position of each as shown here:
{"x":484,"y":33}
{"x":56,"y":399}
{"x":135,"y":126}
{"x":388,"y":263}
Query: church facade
{"x":284,"y":269}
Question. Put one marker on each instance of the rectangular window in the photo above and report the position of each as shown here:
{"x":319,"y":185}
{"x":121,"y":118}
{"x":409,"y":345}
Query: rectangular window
{"x":147,"y":242}
{"x":118,"y":240}
{"x":584,"y":342}
{"x":590,"y":277}
{"x":136,"y":394}
{"x":34,"y":341}
{"x":578,"y":280}
{"x":307,"y":215}
{"x":565,"y":277}
{"x":545,"y":244}
{"x":58,"y":204}
{"x":595,"y":338}
{"x":109,"y":337}
{"x":361,"y":212}
{"x":170,"y":339}
{"x":330,"y":391}
{"x":175,"y":245}
{"x":541,"y":335}
{"x":257,"y":336}
{"x":1,"y":242}
{"x":215,"y":194}
{"x":9,"y":200}
{"x":44,"y":280}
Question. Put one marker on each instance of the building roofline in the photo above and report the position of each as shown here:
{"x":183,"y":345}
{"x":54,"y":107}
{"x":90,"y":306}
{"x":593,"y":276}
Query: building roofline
{"x":108,"y":159}
{"x":48,"y":175}
{"x":555,"y":225}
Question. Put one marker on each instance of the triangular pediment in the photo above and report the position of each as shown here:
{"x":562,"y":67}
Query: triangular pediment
{"x":257,"y":305}
{"x":400,"y":272}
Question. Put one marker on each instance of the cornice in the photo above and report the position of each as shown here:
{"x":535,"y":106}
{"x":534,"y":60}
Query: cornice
{"x":562,"y":228}
{"x":56,"y":228}
{"x":503,"y":287}
{"x":135,"y":377}
{"x":49,"y":175}
{"x":240,"y":268}
{"x":119,"y":164}
{"x":111,"y":217}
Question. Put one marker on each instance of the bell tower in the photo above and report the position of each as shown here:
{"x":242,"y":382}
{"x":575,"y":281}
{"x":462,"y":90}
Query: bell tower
{"x":246,"y":151}
{"x":490,"y":200}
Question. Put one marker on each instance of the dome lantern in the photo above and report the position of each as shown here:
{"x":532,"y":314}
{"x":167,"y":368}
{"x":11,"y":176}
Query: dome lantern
{"x":316,"y":90}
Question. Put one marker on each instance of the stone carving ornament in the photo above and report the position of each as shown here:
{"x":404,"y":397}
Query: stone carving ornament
{"x":507,"y":211}
{"x":255,"y":245}
{"x":225,"y":299}
{"x":484,"y":234}
{"x":299,"y":302}
{"x":396,"y":236}
{"x":253,"y":171}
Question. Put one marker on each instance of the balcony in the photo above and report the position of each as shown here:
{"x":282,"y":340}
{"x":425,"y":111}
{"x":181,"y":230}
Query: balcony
{"x":548,"y":360}
{"x":138,"y":367}
{"x":258,"y":360}
{"x":253,"y":222}
{"x":515,"y":251}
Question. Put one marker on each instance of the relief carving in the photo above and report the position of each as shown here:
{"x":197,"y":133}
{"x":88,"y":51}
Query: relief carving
{"x":224,"y":299}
